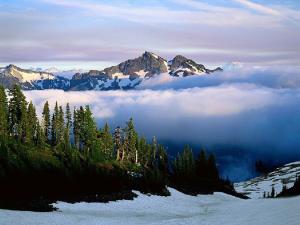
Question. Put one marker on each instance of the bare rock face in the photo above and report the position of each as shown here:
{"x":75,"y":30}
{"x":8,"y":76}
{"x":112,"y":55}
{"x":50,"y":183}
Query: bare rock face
{"x":181,"y":66}
{"x":150,"y":63}
{"x":125,"y":75}
{"x":31,"y":80}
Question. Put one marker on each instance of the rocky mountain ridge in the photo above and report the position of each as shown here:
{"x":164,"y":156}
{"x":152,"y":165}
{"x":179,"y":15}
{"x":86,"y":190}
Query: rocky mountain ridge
{"x":126,"y":75}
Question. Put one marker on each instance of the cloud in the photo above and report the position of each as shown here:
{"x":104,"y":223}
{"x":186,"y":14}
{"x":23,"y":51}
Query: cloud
{"x":275,"y":77}
{"x":249,"y":112}
{"x":72,"y":30}
{"x":258,"y":7}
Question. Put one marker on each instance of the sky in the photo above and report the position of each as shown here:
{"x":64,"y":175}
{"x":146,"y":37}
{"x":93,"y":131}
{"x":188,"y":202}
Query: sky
{"x":94,"y":34}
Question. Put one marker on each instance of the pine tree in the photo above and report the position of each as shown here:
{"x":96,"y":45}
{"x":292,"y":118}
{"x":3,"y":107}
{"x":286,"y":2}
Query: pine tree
{"x":67,"y":142}
{"x":3,"y":112}
{"x":32,"y":124}
{"x":55,"y":125}
{"x":201,"y":165}
{"x":131,"y":140}
{"x":40,"y":137}
{"x":154,"y":152}
{"x":143,"y":155}
{"x":118,"y":143}
{"x":46,"y":121}
{"x":60,"y":126}
{"x":107,"y":142}
{"x":76,"y":128}
{"x":17,"y":113}
{"x":89,"y":132}
{"x":163,"y":160}
{"x":212,"y":168}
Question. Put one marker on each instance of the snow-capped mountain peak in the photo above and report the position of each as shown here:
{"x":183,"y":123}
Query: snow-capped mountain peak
{"x":26,"y":75}
{"x":126,"y":75}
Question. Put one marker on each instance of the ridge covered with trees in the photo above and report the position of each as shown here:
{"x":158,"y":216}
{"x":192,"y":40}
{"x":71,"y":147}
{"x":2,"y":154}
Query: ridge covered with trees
{"x":65,"y":156}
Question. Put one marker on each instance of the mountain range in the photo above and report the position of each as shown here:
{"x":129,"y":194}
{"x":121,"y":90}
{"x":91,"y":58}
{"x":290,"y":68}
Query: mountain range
{"x":126,"y":75}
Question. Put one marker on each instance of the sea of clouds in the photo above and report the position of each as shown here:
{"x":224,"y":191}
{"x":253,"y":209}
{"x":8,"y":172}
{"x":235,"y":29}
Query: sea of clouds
{"x":253,"y":110}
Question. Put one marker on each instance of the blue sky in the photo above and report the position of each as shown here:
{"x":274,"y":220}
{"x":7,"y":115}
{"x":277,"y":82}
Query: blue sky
{"x":79,"y":34}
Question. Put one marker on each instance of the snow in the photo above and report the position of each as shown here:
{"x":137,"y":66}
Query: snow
{"x":155,"y":56}
{"x":256,"y":187}
{"x":141,"y":73}
{"x":120,"y":75}
{"x":29,"y":76}
{"x":217,"y":209}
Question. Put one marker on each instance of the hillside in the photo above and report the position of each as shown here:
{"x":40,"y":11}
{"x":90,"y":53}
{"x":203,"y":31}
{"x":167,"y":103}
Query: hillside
{"x":256,"y":187}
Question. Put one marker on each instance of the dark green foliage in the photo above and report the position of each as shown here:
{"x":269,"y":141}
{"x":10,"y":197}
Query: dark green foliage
{"x":107,"y":144}
{"x":70,"y":159}
{"x":3,"y":112}
{"x":197,"y":176}
{"x":17,"y":113}
{"x":46,"y":125}
{"x":293,"y":191}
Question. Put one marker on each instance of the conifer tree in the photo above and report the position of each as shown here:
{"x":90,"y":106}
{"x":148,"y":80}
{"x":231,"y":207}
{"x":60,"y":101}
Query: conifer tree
{"x":3,"y":112}
{"x":118,"y":143}
{"x":89,"y":132}
{"x":55,"y":125}
{"x":40,"y":137}
{"x":131,"y":139}
{"x":154,"y":152}
{"x":76,"y":128}
{"x":107,"y":142}
{"x":201,"y":165}
{"x":17,"y":113}
{"x":46,"y":121}
{"x":143,"y":157}
{"x":32,"y":124}
{"x":212,"y":168}
{"x":67,"y":143}
{"x":60,"y":126}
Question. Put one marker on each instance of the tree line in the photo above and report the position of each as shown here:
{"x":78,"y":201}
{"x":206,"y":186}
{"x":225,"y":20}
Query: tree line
{"x":65,"y":147}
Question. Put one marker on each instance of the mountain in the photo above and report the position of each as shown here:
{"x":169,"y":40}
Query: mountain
{"x":181,"y":66}
{"x":285,"y":175}
{"x":126,"y":75}
{"x":131,"y":73}
{"x":31,"y":80}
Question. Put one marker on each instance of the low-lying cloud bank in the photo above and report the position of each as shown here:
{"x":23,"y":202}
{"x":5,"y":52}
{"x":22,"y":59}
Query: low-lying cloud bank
{"x":255,"y":110}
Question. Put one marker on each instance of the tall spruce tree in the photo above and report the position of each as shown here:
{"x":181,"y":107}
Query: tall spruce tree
{"x":118,"y":143}
{"x":3,"y":112}
{"x":55,"y":125}
{"x":60,"y":126}
{"x":107,"y":142}
{"x":89,"y":132}
{"x":32,"y":124}
{"x":212,"y":168}
{"x":201,"y":165}
{"x":131,"y":140}
{"x":17,"y":113}
{"x":46,"y":121}
{"x":67,"y":132}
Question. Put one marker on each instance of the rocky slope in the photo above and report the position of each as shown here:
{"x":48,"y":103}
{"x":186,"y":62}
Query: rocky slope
{"x":285,"y":175}
{"x":125,"y":75}
{"x":31,"y":80}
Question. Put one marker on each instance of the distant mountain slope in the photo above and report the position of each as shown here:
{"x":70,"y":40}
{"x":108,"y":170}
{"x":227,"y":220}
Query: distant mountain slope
{"x":126,"y":75}
{"x":256,"y":187}
{"x":31,"y":80}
